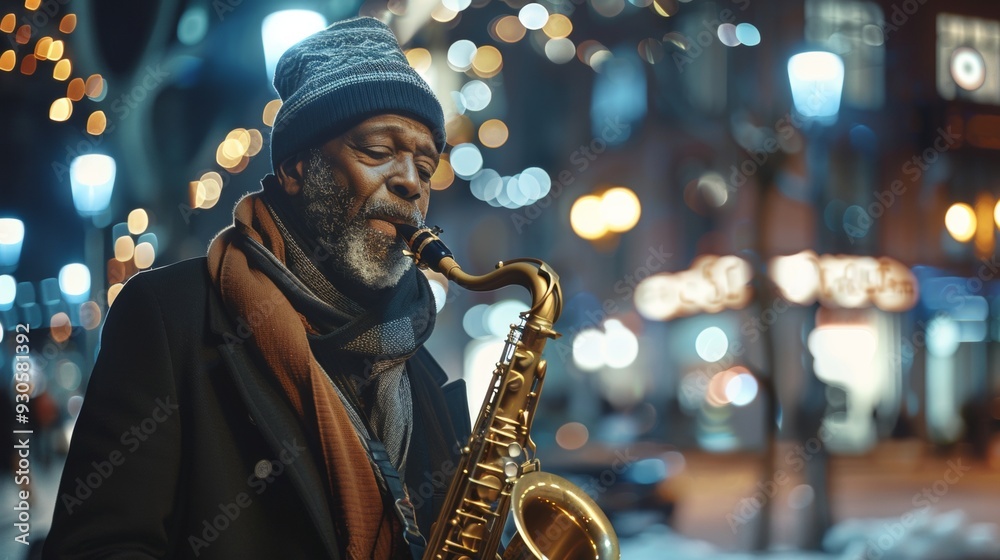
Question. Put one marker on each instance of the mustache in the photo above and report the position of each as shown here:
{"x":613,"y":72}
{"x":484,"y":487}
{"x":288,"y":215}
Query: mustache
{"x":383,"y":210}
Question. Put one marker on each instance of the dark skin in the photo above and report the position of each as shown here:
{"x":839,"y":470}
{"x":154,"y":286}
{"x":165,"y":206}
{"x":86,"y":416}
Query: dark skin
{"x":388,"y":157}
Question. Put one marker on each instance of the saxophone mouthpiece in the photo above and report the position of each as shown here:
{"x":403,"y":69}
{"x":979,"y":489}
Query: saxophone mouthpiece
{"x":425,"y":248}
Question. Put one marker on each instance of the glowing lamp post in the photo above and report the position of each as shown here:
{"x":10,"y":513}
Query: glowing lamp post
{"x":92,"y":178}
{"x":283,"y":29}
{"x":817,"y":80}
{"x":11,"y":239}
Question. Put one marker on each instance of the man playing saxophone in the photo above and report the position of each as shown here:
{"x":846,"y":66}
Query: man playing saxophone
{"x":273,"y":398}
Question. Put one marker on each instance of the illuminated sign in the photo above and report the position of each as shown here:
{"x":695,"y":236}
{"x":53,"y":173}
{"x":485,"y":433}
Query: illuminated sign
{"x":712,"y":284}
{"x":846,"y":281}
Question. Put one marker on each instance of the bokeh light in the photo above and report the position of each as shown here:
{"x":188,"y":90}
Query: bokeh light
{"x":509,"y":29}
{"x":533,"y":16}
{"x":138,"y":221}
{"x":960,"y":221}
{"x":466,"y":160}
{"x":572,"y":435}
{"x":558,"y":26}
{"x":419,"y":59}
{"x":61,"y":109}
{"x":711,"y":344}
{"x":589,"y":350}
{"x":97,"y":122}
{"x":620,"y":209}
{"x":560,"y":51}
{"x":493,"y":133}
{"x":460,"y":55}
{"x":124,"y":248}
{"x":487,"y":61}
{"x":748,"y":34}
{"x":271,"y":111}
{"x":587,"y":217}
{"x":443,"y":176}
{"x":74,"y":282}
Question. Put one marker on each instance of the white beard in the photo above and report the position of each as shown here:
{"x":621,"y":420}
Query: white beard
{"x":368,"y":255}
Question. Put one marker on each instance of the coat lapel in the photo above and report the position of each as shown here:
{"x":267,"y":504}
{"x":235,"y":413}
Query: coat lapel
{"x":276,"y":421}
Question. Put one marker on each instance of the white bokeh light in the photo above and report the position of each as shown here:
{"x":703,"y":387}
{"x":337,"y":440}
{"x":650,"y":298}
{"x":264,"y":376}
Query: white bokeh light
{"x":711,"y":344}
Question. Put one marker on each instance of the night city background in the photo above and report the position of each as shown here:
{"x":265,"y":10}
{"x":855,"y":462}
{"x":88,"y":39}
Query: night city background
{"x":775,"y":223}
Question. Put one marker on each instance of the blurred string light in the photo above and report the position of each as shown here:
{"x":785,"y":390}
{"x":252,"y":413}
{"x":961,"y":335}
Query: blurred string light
{"x":665,"y":8}
{"x":507,"y":29}
{"x":456,"y":5}
{"x":487,"y":61}
{"x":283,"y":29}
{"x":442,"y":14}
{"x":466,"y":160}
{"x":271,"y":111}
{"x":615,"y":347}
{"x":558,"y":26}
{"x":560,"y":51}
{"x":817,"y":80}
{"x":420,"y":59}
{"x":74,"y":282}
{"x":493,"y":133}
{"x":138,"y":221}
{"x":124,"y":248}
{"x":511,"y":192}
{"x":92,"y":179}
{"x":97,"y":122}
{"x":444,"y":175}
{"x":960,"y":220}
{"x":533,"y":16}
{"x":476,"y":95}
{"x":460,"y":55}
{"x":11,"y":241}
{"x":608,"y":8}
{"x":617,"y":210}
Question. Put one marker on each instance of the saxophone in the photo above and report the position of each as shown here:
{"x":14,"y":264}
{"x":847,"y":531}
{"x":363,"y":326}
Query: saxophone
{"x":498,"y":471}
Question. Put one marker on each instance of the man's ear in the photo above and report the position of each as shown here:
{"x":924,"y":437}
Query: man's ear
{"x":290,"y":175}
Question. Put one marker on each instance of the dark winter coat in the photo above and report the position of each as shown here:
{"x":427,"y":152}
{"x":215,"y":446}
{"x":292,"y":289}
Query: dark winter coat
{"x":185,"y":448}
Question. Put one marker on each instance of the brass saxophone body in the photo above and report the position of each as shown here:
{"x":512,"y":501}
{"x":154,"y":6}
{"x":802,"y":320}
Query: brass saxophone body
{"x":498,"y":471}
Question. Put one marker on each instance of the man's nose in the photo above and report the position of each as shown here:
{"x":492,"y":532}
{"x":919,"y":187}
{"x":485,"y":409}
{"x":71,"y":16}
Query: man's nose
{"x":405,"y":179}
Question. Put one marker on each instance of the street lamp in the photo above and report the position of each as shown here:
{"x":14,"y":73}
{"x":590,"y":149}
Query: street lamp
{"x":92,"y":178}
{"x":11,"y":239}
{"x":817,"y":80}
{"x":284,"y":28}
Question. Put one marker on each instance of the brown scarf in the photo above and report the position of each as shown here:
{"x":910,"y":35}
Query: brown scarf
{"x":282,"y":341}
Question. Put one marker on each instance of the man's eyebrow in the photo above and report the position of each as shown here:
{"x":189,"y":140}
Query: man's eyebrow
{"x":422,"y":148}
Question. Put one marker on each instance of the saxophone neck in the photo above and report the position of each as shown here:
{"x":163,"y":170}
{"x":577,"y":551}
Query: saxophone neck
{"x":428,"y":251}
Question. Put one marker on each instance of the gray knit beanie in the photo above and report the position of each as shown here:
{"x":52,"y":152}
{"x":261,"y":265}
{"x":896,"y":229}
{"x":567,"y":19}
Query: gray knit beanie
{"x":336,"y":78}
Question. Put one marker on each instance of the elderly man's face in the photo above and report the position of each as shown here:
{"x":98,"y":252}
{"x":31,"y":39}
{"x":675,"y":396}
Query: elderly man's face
{"x":360,"y":183}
